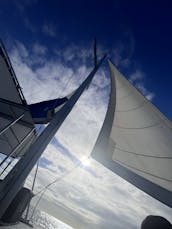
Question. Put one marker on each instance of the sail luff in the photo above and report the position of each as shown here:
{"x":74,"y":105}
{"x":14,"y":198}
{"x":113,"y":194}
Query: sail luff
{"x":103,"y":138}
{"x":135,"y":143}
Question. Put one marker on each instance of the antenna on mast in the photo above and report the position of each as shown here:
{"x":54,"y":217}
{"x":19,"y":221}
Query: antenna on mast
{"x":95,"y":53}
{"x":95,"y":58}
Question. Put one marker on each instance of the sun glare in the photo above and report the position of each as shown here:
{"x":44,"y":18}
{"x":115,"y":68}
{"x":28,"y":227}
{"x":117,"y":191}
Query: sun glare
{"x":85,"y":161}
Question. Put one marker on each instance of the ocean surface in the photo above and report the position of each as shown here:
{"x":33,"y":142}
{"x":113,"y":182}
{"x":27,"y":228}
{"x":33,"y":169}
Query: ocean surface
{"x":41,"y":220}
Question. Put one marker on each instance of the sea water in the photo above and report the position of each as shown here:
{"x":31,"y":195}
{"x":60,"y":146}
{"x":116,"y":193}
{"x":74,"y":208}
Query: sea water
{"x":41,"y":220}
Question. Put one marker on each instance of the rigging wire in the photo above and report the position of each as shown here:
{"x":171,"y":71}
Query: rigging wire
{"x":44,"y":189}
{"x":33,"y":185}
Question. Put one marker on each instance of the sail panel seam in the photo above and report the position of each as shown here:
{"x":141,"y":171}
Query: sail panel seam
{"x":144,"y":127}
{"x":135,"y":108}
{"x":143,"y":155}
{"x":140,"y":170}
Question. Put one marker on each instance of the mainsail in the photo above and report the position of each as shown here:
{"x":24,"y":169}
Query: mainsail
{"x":135,"y":141}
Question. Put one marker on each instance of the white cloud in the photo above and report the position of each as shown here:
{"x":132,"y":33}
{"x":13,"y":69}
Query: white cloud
{"x":137,"y":75}
{"x":29,"y":25}
{"x":149,"y":95}
{"x":49,"y":29}
{"x":138,"y":79}
{"x":39,"y":49}
{"x":23,"y":4}
{"x":122,"y":53}
{"x":100,"y":201}
{"x":122,"y":58}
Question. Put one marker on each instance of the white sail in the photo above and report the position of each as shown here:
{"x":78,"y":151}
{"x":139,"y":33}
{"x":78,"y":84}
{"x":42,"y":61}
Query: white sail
{"x":136,"y":140}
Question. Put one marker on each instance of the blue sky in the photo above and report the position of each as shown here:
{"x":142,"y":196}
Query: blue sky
{"x":49,"y":44}
{"x":143,"y":29}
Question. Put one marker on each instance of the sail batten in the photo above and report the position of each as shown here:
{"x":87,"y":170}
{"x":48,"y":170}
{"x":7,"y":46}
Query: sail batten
{"x":135,"y":141}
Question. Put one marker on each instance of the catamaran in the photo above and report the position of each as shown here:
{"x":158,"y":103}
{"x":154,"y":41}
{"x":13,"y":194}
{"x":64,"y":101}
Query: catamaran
{"x":134,"y":141}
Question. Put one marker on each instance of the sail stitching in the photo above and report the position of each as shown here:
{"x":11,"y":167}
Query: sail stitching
{"x":144,"y":127}
{"x":125,"y":96}
{"x":135,"y":108}
{"x":132,"y":167}
{"x":143,"y":155}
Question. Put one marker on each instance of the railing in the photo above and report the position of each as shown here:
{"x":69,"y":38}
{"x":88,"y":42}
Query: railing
{"x":11,"y":124}
{"x":13,"y":143}
{"x":8,"y":161}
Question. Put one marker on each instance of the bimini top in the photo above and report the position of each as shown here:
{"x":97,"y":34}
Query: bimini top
{"x":13,"y":107}
{"x":135,"y":141}
{"x":17,"y":115}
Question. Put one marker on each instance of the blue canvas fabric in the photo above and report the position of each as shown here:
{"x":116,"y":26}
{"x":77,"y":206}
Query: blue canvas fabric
{"x":43,"y":112}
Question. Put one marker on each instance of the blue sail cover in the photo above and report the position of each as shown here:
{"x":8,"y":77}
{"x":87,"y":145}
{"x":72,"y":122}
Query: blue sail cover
{"x":44,"y":111}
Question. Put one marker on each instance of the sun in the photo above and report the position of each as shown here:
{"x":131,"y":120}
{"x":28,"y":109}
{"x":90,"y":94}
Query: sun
{"x":85,"y":161}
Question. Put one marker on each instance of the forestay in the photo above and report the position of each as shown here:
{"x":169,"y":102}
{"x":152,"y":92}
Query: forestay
{"x":136,"y":140}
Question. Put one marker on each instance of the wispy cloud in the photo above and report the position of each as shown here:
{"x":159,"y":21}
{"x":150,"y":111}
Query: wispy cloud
{"x":137,"y":75}
{"x":122,"y":53}
{"x":23,"y":4}
{"x":122,"y":58}
{"x":39,"y":49}
{"x":49,"y":29}
{"x":28,"y":24}
{"x":97,"y":199}
{"x":138,"y":79}
{"x":149,"y":95}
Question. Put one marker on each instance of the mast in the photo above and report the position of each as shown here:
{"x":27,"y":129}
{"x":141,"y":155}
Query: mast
{"x":16,"y":177}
